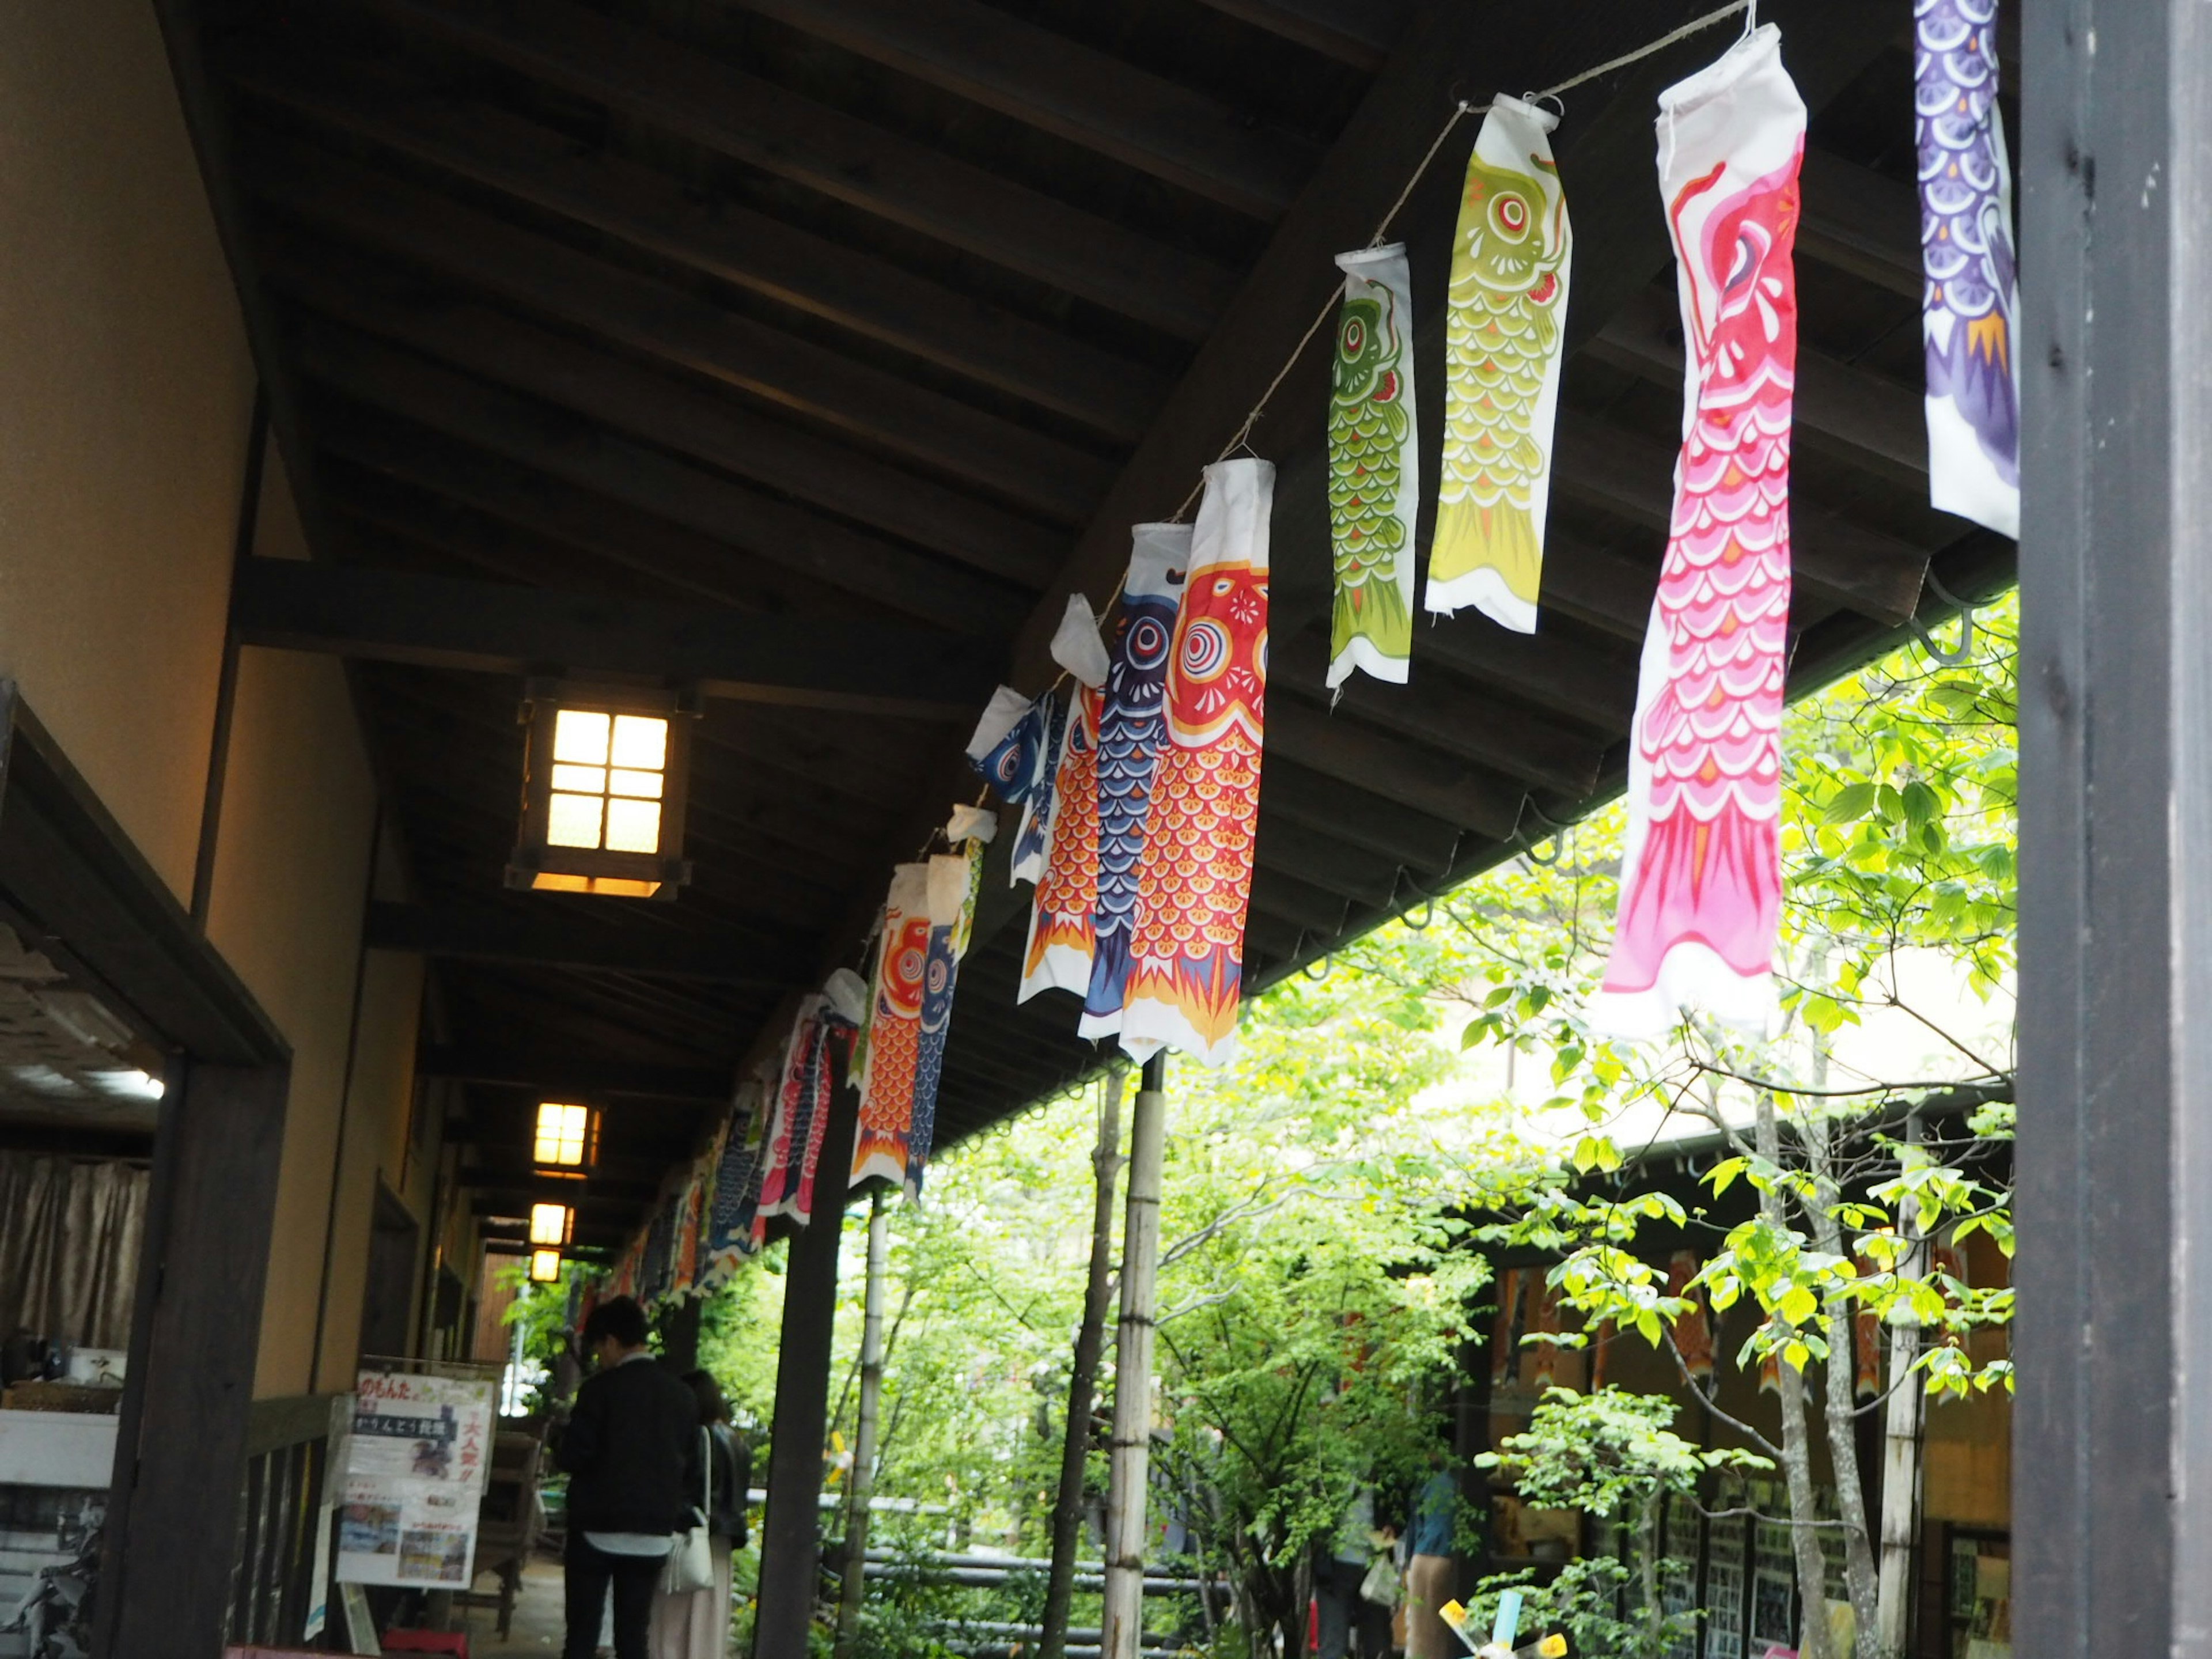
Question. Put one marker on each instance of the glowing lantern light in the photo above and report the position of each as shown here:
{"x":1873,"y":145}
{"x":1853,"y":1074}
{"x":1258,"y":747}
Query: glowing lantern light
{"x":604,"y":780}
{"x":551,"y":1224}
{"x":568,"y":1138}
{"x":544,"y":1266}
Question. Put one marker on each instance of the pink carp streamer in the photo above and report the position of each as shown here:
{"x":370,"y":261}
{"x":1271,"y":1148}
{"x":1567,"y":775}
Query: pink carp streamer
{"x":1701,"y":878}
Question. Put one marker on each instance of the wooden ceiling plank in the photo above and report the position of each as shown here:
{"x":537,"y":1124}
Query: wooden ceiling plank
{"x":855,"y":290}
{"x":495,"y":628}
{"x":1860,"y":223}
{"x":553,"y":1074}
{"x":1392,"y":768}
{"x":549,"y":939}
{"x":767,"y":126}
{"x":461,"y":244}
{"x":664,"y":409}
{"x":1577,"y":677}
{"x":562,"y":445}
{"x":1354,"y":32}
{"x":1315,"y":910}
{"x":1048,"y":81}
{"x":1326,"y":861}
{"x":1864,"y":419}
{"x":1297,"y":794}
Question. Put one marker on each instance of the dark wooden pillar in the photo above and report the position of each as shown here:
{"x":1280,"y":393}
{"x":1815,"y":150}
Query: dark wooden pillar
{"x":2112,"y":1462}
{"x":181,"y":1441}
{"x":791,"y":1532}
{"x":1470,"y":1403}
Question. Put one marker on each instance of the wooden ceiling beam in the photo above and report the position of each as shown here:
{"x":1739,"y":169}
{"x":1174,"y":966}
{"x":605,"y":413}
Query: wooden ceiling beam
{"x":672,"y":325}
{"x":1046,"y":81}
{"x":556,"y":1075}
{"x":862,"y":292}
{"x":1326,"y":861}
{"x":669,"y":409}
{"x":1311,"y":909}
{"x":442,"y":621}
{"x":550,"y":939}
{"x":1866,"y":421}
{"x":580,"y":453}
{"x":1584,"y":679}
{"x":767,"y":126}
{"x":1354,"y":32}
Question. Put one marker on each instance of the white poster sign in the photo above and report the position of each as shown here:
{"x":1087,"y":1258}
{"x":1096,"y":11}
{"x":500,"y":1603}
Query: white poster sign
{"x":417,"y":1461}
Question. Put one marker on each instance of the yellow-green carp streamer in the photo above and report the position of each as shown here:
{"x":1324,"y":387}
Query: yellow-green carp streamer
{"x":1503,"y":323}
{"x":1374,"y":469}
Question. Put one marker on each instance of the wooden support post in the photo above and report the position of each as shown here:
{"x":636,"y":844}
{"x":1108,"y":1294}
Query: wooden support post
{"x":2111,"y":1507}
{"x":180,"y":1447}
{"x":860,"y":1487}
{"x":679,"y":1336}
{"x":791,"y":1537}
{"x":1083,"y":1381}
{"x":1133,"y":1370}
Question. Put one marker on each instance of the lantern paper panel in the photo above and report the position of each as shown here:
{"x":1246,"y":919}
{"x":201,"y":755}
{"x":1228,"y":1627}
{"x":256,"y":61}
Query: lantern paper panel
{"x":1701,"y":872}
{"x":1505,"y":325}
{"x":1131,"y":723}
{"x":1374,"y":469}
{"x":1969,"y":314}
{"x":1195,"y":881}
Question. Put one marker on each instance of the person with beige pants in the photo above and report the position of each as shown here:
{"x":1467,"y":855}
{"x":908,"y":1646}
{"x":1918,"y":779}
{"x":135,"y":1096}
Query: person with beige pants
{"x":1428,"y":1571}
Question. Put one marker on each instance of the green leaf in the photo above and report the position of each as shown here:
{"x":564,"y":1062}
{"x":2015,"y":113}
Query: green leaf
{"x":1848,"y":804}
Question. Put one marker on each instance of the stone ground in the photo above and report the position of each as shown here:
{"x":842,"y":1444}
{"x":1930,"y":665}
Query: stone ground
{"x":536,"y":1631}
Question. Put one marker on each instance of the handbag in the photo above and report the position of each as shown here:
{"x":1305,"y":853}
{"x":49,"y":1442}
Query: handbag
{"x":1380,"y":1584}
{"x":690,"y":1564}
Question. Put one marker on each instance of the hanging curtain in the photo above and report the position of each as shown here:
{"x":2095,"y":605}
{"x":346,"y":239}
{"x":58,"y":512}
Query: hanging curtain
{"x":1374,"y":469}
{"x":69,"y":1239}
{"x":1195,"y":881}
{"x":955,"y":879}
{"x":1061,"y":934}
{"x":1505,"y":319}
{"x":1130,"y":723}
{"x":1701,"y":876}
{"x":1967,"y":252}
{"x":894,"y":1035}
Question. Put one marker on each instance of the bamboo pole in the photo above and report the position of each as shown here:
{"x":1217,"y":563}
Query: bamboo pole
{"x":1132,"y":1369}
{"x":1900,"y":1471}
{"x":860,"y":1487}
{"x":1082,"y":1384}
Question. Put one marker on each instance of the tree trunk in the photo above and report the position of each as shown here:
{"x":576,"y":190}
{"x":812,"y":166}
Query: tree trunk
{"x":1900,"y":1469}
{"x":1797,"y":1451}
{"x":1082,"y":1384}
{"x":862,"y":1485}
{"x":1133,"y":1369}
{"x":1841,"y":1400}
{"x":1648,"y":1565}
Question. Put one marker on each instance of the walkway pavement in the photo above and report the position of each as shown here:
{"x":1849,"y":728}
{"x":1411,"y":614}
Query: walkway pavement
{"x":537,"y":1629}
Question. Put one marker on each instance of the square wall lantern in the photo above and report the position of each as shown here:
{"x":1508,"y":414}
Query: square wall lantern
{"x":551,"y":1224}
{"x":604,"y":772}
{"x":544,"y":1266}
{"x":568,"y":1138}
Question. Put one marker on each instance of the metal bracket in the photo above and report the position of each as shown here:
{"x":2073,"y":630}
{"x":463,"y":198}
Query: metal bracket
{"x":1960,"y":654}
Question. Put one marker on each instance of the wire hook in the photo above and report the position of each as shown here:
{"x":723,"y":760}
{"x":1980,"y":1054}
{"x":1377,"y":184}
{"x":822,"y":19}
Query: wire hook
{"x":1520,"y":837}
{"x":1328,"y":965}
{"x":1960,"y":654}
{"x":1538,"y":99}
{"x":1428,"y":914}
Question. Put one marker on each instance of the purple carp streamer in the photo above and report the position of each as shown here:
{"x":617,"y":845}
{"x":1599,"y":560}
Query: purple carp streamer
{"x":1967,"y":252}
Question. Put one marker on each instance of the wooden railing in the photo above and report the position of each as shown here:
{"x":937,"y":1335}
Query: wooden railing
{"x":274,"y":1572}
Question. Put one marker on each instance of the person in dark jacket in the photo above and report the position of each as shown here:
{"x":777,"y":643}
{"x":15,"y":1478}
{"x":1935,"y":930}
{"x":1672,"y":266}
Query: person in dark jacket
{"x":695,"y":1623}
{"x":631,"y":1448}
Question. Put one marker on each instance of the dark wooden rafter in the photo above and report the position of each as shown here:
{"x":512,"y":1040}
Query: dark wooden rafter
{"x":767,"y":126}
{"x":492,"y":628}
{"x":667,"y":409}
{"x":682,"y":330}
{"x":1861,"y":222}
{"x":855,"y":290}
{"x":531,"y":934}
{"x":553,"y":1074}
{"x":580,"y":453}
{"x":1355,"y":32}
{"x":1050,"y":82}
